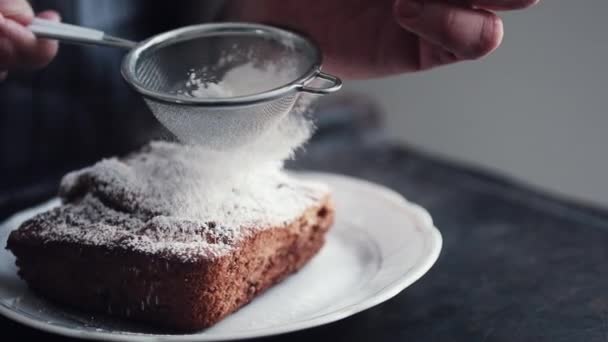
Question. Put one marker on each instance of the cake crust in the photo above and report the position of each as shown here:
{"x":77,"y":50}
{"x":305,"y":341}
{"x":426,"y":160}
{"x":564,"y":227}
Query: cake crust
{"x":163,"y":289}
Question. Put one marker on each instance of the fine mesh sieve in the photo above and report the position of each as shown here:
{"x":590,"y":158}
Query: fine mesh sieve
{"x":263,"y":68}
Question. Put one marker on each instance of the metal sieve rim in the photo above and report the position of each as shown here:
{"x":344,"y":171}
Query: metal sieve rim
{"x":299,"y":84}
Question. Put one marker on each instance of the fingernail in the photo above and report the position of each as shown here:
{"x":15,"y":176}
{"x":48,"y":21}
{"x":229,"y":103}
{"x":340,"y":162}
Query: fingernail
{"x":407,"y":9}
{"x":2,"y":20}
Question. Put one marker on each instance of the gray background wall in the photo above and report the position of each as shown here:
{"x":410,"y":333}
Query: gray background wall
{"x":536,"y":109}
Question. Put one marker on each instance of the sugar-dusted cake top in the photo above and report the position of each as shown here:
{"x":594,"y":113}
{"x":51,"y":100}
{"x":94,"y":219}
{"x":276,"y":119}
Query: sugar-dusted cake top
{"x":166,"y":200}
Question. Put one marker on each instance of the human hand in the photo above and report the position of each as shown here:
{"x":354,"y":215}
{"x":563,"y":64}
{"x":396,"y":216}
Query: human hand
{"x":19,"y":48}
{"x":371,"y":38}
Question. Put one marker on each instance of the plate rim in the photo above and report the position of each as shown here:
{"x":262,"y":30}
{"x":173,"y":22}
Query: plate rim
{"x":432,"y":239}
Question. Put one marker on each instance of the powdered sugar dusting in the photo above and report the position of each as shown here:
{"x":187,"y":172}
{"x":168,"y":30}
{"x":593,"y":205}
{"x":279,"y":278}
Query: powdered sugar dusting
{"x":183,"y":201}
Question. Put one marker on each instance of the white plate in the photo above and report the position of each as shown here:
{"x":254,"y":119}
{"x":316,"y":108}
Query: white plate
{"x":379,"y":245}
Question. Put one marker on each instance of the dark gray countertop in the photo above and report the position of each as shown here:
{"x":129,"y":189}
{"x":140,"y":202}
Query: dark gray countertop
{"x":517,"y":265}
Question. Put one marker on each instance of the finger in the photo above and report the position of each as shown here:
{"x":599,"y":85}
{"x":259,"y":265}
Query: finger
{"x":19,"y":10}
{"x":47,"y":48}
{"x":3,"y":75}
{"x":49,"y":15}
{"x":503,"y":4}
{"x":20,"y":48}
{"x":467,"y":33}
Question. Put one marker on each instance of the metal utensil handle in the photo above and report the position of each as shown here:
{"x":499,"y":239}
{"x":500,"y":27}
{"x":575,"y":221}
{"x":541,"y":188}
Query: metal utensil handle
{"x":335,"y":84}
{"x":76,"y":34}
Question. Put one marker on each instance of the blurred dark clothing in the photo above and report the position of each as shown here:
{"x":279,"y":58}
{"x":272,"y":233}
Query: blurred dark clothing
{"x":79,"y":109}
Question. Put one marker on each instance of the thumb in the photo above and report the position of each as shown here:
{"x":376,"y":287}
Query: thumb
{"x":19,"y":47}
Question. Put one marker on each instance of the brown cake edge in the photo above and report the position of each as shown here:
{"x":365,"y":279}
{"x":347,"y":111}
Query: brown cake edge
{"x":168,"y":292}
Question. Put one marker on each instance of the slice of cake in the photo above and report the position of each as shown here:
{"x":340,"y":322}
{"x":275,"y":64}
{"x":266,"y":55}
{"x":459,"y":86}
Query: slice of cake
{"x":155,"y":237}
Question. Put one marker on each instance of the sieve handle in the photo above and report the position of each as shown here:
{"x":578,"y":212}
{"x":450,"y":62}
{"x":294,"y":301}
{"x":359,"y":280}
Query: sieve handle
{"x":76,"y":34}
{"x":334,"y":84}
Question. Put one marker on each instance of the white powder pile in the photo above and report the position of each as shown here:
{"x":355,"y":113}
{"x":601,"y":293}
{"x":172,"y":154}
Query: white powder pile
{"x":196,"y":183}
{"x":242,"y":80}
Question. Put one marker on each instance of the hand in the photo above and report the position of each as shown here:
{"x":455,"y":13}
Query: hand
{"x":19,"y":48}
{"x":371,"y":38}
